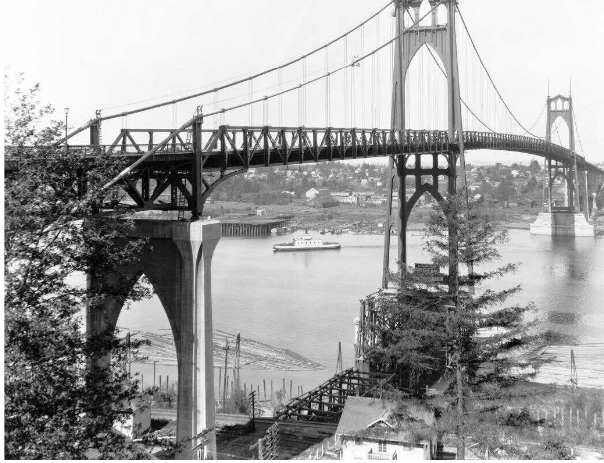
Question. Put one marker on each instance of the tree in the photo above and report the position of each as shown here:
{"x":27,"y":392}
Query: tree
{"x":459,"y":331}
{"x":534,"y":166}
{"x":504,"y":191}
{"x":530,"y":185}
{"x":56,"y":407}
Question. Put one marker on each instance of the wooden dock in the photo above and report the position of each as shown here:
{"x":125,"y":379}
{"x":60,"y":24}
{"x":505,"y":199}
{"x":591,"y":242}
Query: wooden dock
{"x":252,"y":226}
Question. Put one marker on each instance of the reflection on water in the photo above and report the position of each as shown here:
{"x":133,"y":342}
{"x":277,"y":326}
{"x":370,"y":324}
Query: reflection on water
{"x":307,"y":301}
{"x":564,"y":318}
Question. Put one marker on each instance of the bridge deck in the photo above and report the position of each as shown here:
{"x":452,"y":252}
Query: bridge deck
{"x":228,"y":148}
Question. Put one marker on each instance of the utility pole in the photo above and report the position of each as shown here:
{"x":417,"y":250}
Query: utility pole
{"x":226,"y":360}
{"x":253,"y":399}
{"x":237,"y":359}
{"x":66,"y":113}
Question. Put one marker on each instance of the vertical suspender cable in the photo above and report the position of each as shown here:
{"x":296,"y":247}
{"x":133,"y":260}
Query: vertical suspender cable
{"x":215,"y":116}
{"x":391,"y":64}
{"x":345,"y":82}
{"x":372,"y":90}
{"x":376,"y":72}
{"x":251,"y":98}
{"x":304,"y":91}
{"x":300,"y":106}
{"x":352,"y":102}
{"x":327,"y":87}
{"x":363,"y":77}
{"x":420,"y":108}
{"x":280,"y":85}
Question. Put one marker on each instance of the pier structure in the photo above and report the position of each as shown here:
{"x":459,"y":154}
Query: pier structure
{"x":177,"y":262}
{"x":580,"y":184}
{"x":252,"y":226}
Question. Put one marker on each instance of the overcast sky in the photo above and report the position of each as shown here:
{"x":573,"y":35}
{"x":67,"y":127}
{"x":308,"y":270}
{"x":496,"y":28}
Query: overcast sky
{"x":100,"y":54}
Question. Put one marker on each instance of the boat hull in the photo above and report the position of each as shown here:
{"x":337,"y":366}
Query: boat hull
{"x":291,"y":248}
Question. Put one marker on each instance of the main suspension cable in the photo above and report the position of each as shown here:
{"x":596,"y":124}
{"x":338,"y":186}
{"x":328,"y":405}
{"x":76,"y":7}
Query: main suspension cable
{"x":100,"y":118}
{"x":254,"y":76}
{"x":578,"y":134}
{"x":489,"y":75}
{"x":175,"y":132}
{"x":460,"y":99}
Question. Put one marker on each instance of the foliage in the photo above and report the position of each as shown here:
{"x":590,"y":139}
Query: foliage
{"x":56,"y":407}
{"x":534,"y":166}
{"x":461,"y":333}
{"x":504,"y":191}
{"x":239,"y":402}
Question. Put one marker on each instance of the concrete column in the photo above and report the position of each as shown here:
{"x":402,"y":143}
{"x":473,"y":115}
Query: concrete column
{"x":178,"y":264}
{"x":196,"y":242}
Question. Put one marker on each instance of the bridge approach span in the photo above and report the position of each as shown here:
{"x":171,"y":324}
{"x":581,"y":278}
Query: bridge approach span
{"x":228,"y":147}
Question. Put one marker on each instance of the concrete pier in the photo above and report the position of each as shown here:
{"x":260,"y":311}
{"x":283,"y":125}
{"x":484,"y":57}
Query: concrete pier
{"x":178,"y":264}
{"x":562,"y":223}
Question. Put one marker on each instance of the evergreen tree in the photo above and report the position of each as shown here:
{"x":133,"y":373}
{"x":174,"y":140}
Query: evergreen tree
{"x":459,"y":332}
{"x":56,"y":407}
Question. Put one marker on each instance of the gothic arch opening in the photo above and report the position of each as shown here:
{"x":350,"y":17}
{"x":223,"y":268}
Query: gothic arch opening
{"x":426,"y":91}
{"x":560,"y":132}
{"x":442,"y":15}
{"x":559,"y":191}
{"x":147,"y":320}
{"x":425,"y":8}
{"x":409,"y":17}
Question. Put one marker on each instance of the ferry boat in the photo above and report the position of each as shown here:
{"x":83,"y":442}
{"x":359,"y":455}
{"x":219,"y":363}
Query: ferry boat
{"x":305,"y":243}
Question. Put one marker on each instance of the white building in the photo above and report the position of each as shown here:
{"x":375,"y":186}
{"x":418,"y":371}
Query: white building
{"x":370,"y":430}
{"x":135,"y":423}
{"x":310,"y":194}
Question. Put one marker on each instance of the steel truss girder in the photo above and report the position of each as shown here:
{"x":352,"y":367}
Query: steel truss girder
{"x":146,"y":187}
{"x":237,"y":147}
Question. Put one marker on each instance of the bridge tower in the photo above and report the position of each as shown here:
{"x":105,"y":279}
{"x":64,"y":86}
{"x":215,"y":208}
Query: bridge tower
{"x":561,"y":107}
{"x":442,"y":39}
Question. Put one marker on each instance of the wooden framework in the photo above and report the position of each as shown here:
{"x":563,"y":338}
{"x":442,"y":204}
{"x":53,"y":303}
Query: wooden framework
{"x":268,"y":445}
{"x":326,"y":402}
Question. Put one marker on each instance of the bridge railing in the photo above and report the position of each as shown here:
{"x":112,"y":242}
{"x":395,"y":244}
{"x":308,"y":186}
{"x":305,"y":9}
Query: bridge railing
{"x":244,"y":146}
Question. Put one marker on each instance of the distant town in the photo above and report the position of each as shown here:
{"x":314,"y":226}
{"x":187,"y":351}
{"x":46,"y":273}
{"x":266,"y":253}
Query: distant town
{"x":351,"y":198}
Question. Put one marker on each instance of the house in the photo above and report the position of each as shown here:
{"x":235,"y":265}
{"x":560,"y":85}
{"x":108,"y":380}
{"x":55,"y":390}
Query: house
{"x":377,"y":429}
{"x":136,"y":422}
{"x":310,"y":194}
{"x":323,"y":199}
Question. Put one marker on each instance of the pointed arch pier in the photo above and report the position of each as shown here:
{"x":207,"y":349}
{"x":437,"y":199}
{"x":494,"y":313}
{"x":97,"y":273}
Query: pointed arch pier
{"x":178,"y":263}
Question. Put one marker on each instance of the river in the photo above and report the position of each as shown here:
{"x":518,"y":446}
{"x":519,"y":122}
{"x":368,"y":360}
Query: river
{"x":306,"y":302}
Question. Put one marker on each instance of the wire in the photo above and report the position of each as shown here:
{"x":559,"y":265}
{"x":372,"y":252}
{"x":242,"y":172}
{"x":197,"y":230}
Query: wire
{"x":259,"y":74}
{"x":99,"y":118}
{"x":351,"y":65}
{"x":489,"y":75}
{"x":461,"y":99}
{"x":578,"y":135}
{"x":539,"y":117}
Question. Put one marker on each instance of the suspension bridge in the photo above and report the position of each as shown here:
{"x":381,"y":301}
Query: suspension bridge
{"x":407,"y":84}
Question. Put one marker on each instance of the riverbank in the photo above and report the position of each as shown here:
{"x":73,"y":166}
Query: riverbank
{"x":353,"y":219}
